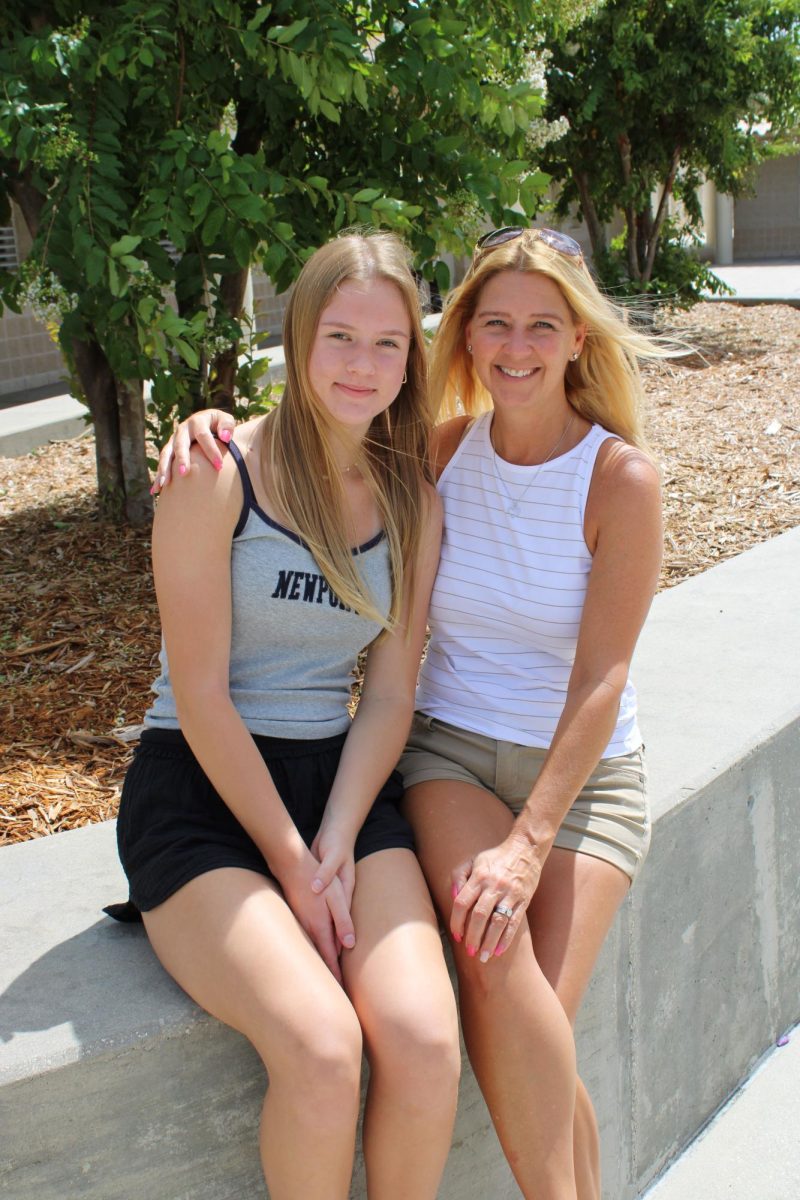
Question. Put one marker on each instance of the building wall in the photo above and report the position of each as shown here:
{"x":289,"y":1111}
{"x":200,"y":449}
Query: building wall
{"x":29,"y":358}
{"x":767,"y":225}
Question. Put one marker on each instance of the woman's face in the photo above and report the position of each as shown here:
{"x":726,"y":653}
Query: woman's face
{"x":523,"y":335}
{"x":359,"y":352}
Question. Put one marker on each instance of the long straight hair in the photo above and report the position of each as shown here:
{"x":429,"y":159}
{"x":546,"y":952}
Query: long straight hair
{"x":302,"y":476}
{"x":603,"y":385}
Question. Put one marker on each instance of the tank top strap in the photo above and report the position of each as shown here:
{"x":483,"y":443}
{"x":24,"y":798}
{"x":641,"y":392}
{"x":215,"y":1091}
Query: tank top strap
{"x":249,"y":500}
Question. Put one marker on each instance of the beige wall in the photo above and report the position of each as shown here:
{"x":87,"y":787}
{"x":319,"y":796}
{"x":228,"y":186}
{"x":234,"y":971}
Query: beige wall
{"x":767,"y":225}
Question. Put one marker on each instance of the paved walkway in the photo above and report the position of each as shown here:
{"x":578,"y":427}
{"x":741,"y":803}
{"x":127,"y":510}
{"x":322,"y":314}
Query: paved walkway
{"x":757,"y":283}
{"x":751,"y":1150}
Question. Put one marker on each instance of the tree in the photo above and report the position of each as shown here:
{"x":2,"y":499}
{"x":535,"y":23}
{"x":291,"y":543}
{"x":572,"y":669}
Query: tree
{"x":659,"y":95}
{"x":158,"y":149}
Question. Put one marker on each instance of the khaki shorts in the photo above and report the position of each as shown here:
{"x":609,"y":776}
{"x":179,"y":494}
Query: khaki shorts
{"x":610,"y":819}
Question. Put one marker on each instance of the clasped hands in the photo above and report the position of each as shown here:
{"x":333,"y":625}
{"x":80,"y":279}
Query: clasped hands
{"x":319,"y":892}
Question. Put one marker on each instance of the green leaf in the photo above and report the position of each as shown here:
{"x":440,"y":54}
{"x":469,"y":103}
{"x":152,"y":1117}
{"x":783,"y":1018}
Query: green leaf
{"x":95,"y":265}
{"x":261,"y":16}
{"x":507,"y":121}
{"x":187,"y":353}
{"x":287,"y":33}
{"x":212,"y":225}
{"x":124,"y":246}
{"x":241,"y":247}
{"x":327,"y":109}
{"x":366,"y":195}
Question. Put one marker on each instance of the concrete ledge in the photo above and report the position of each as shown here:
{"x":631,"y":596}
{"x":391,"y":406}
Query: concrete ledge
{"x":28,"y":426}
{"x":115,"y":1087}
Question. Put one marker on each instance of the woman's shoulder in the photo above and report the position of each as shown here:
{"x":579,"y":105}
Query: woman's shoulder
{"x":626,"y":483}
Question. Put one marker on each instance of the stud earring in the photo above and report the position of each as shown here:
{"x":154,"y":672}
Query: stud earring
{"x":573,"y":357}
{"x":469,"y":347}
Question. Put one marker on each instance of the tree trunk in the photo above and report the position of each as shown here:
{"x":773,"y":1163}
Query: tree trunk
{"x":661,"y":214}
{"x":223,"y":379}
{"x":597,"y":230}
{"x":132,"y":431}
{"x":29,"y":200}
{"x":624,"y":144}
{"x":249,"y":133}
{"x":99,"y":390}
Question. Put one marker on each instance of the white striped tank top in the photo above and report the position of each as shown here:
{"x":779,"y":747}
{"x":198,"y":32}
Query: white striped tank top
{"x":509,"y":594}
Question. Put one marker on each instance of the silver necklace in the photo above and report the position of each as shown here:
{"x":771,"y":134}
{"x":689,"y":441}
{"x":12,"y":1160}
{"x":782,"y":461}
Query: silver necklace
{"x":512,"y":504}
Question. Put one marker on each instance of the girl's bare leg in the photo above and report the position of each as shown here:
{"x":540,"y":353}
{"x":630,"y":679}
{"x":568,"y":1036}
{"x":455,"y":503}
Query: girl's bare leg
{"x":398,"y":982}
{"x":232,"y":943}
{"x":519,"y":1040}
{"x":570,"y":915}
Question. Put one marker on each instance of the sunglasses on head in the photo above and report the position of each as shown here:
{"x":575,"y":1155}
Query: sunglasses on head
{"x":551,"y":237}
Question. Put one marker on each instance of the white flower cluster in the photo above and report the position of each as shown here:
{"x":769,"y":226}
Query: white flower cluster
{"x":47,"y":298}
{"x":541,"y":132}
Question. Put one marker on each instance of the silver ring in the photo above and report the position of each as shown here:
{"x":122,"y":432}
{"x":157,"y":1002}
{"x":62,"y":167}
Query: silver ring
{"x":503,"y":910}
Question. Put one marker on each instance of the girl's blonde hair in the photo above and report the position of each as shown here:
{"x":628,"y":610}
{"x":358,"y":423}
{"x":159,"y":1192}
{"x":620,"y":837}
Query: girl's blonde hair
{"x":303,"y":477}
{"x":603,"y":384}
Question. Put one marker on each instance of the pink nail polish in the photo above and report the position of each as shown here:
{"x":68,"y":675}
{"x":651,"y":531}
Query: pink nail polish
{"x":218,"y":464}
{"x":454,"y":890}
{"x":225,"y":436}
{"x":498,"y":950}
{"x":181,"y":469}
{"x":471,"y":951}
{"x":456,"y":937}
{"x":153,"y":490}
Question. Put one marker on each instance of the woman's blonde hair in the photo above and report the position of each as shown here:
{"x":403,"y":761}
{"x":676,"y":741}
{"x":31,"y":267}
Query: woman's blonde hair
{"x":303,"y":477}
{"x":603,"y":384}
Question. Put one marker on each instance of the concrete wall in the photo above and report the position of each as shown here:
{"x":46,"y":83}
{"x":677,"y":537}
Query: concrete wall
{"x":767,"y":224}
{"x":113,"y":1086}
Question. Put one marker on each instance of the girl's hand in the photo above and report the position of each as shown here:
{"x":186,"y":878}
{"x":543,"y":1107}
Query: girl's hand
{"x":335,"y":854}
{"x":325,"y":916}
{"x":199,"y":427}
{"x":507,"y":875}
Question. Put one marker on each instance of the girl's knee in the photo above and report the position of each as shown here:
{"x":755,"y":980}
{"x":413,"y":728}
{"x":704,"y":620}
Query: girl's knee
{"x":318,"y":1062}
{"x":420,"y":1052}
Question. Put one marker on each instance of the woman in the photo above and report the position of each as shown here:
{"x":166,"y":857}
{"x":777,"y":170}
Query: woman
{"x":524,"y":770}
{"x":259,"y":825}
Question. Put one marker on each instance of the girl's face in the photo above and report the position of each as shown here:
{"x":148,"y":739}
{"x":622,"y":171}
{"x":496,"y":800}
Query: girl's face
{"x":522,"y":335}
{"x":359,"y":352}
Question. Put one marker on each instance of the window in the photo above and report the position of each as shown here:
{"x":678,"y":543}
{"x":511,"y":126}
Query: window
{"x":9,"y":259}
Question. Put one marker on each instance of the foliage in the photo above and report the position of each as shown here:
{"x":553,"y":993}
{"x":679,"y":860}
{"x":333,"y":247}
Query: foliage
{"x":159,"y":148}
{"x":660,"y":95}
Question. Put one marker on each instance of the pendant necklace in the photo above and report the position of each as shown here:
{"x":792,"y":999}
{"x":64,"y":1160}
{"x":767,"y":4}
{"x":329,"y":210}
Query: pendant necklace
{"x":511,"y":504}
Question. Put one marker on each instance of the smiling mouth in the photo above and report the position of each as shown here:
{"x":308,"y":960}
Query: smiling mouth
{"x":512,"y":374}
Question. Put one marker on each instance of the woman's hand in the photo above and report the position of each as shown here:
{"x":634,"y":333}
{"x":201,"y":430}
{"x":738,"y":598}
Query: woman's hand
{"x":199,"y":427}
{"x":335,"y":854}
{"x":325,"y":916}
{"x":507,"y":875}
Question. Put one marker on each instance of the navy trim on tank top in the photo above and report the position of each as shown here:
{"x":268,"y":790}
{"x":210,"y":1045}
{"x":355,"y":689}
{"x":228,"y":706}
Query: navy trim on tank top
{"x":251,"y":504}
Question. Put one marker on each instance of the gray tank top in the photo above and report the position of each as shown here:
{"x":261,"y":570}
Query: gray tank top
{"x":294,"y":644}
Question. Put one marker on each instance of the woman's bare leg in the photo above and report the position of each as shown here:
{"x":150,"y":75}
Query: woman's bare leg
{"x":231,"y":941}
{"x":398,"y":982}
{"x":569,"y":917}
{"x":519,"y":1040}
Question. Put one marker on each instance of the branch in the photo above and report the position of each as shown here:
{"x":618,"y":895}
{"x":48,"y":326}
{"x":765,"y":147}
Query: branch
{"x":661,"y":214}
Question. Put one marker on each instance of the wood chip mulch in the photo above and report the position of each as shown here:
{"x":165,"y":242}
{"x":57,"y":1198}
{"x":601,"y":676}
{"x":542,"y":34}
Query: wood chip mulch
{"x":78,"y":621}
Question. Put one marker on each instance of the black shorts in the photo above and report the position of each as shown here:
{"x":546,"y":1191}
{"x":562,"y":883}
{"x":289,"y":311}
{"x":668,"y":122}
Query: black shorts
{"x":173,"y":826}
